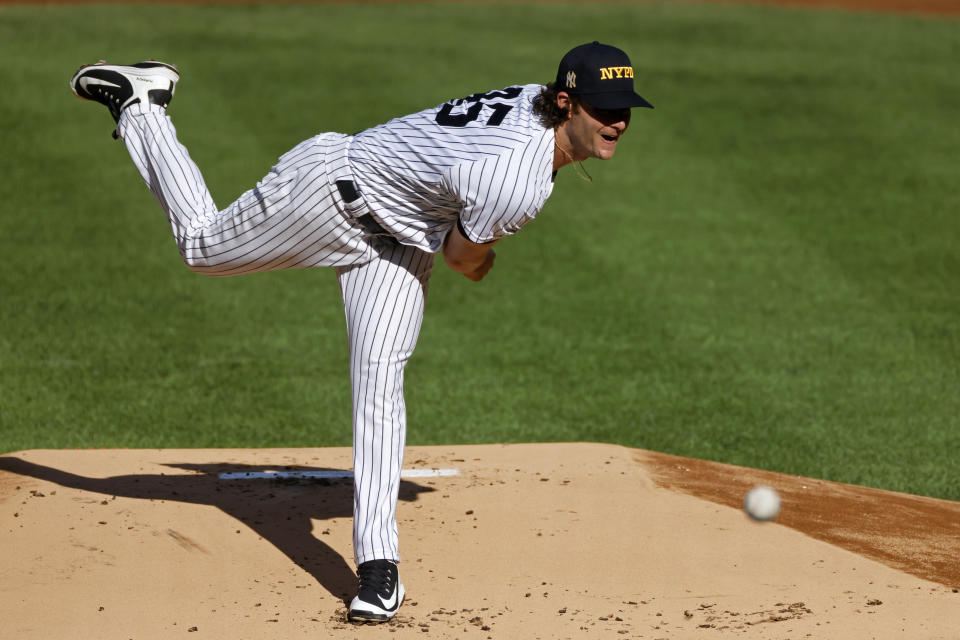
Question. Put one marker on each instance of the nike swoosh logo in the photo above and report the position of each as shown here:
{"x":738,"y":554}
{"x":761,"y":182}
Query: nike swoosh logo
{"x":86,"y":81}
{"x":392,"y":602}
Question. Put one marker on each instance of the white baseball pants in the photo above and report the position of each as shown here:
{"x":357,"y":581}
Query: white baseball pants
{"x":295,"y":217}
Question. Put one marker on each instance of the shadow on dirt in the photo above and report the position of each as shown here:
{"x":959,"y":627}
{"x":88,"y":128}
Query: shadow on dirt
{"x":280,"y":511}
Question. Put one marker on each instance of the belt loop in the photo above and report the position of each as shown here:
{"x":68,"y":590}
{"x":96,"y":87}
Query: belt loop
{"x":348,"y":191}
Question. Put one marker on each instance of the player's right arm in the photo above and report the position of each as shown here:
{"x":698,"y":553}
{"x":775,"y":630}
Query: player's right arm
{"x":469,"y":258}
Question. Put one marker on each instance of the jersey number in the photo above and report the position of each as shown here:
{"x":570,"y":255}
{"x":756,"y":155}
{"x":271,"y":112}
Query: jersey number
{"x":445,"y":119}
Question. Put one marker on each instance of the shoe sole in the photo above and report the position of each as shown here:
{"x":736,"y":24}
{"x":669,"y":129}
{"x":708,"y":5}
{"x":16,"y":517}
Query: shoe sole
{"x":372,"y":616}
{"x":367,"y":617}
{"x":123,"y":69}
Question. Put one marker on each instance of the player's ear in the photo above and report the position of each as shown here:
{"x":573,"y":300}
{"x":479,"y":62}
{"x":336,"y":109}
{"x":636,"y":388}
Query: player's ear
{"x":566,"y":102}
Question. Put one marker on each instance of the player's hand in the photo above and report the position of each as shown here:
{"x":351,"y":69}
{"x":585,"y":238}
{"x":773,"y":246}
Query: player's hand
{"x":477,"y":274}
{"x":471,"y":259}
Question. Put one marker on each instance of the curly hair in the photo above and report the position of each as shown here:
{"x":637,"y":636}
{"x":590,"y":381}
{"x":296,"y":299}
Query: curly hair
{"x":546,"y":109}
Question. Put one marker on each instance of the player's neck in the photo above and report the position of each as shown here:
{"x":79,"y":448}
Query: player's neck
{"x":562,"y":155}
{"x":561,"y":148}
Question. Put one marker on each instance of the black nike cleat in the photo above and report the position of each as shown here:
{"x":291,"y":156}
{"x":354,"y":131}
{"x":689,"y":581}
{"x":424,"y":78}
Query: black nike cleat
{"x":380,"y":593}
{"x":118,"y":87}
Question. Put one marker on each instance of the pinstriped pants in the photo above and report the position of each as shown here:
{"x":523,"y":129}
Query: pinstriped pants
{"x":296,"y":218}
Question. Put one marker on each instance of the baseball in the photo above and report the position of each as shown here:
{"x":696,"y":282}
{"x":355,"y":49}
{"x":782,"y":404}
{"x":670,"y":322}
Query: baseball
{"x":762,"y":503}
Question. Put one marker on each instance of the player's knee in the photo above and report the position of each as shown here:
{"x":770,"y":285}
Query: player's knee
{"x":197,"y":263}
{"x":383,"y":365}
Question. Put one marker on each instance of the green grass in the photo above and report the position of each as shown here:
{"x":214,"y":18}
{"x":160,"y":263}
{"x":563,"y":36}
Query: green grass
{"x":766,"y":275}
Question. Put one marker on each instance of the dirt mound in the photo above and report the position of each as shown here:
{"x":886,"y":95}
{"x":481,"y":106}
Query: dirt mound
{"x":525,"y":541}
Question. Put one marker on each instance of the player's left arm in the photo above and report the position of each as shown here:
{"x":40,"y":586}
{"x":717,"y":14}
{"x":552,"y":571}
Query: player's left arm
{"x":467,"y":257}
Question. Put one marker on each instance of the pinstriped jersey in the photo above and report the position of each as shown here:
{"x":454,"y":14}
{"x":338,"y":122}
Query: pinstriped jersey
{"x":483,"y":160}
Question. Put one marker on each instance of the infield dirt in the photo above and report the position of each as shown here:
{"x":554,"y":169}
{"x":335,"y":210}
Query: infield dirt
{"x":527,"y":541}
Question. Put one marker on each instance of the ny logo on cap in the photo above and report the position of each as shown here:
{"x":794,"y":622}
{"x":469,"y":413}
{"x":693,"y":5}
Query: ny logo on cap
{"x":571,"y":80}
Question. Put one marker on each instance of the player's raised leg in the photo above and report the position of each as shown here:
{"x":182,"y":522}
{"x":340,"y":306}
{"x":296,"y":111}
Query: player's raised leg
{"x":384,"y":302}
{"x":293,"y":218}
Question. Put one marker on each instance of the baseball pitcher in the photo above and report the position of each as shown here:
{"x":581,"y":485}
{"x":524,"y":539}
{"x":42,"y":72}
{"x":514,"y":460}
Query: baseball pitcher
{"x":377,"y":207}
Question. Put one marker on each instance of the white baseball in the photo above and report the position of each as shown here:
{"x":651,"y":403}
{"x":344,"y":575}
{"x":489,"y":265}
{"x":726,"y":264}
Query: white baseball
{"x":762,"y":503}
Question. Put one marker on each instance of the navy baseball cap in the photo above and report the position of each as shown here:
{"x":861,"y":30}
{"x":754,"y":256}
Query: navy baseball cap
{"x":601,"y":75}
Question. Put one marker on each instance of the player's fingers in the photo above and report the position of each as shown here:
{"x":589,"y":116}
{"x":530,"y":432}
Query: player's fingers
{"x":488,"y":263}
{"x":479,"y":274}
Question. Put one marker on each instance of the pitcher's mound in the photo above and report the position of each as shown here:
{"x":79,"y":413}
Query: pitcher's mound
{"x":525,"y":541}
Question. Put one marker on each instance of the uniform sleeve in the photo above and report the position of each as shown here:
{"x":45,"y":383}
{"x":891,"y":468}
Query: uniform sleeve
{"x":503,"y":192}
